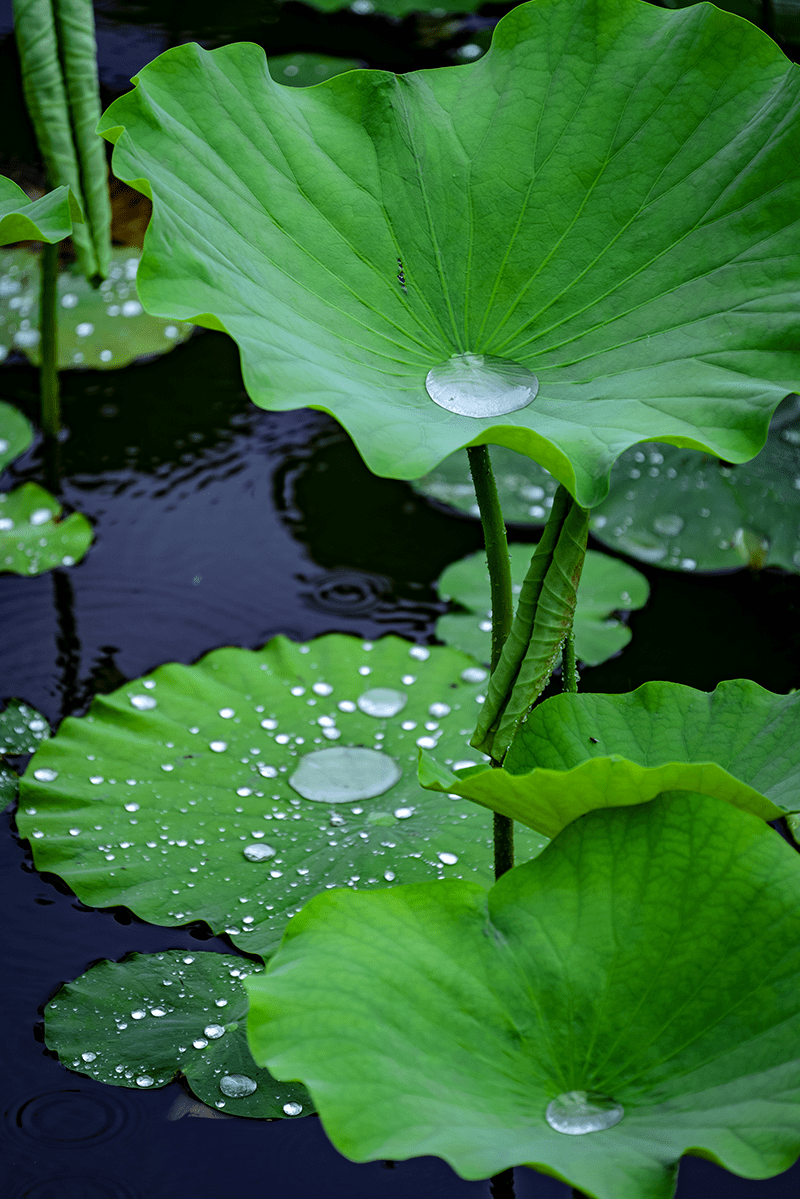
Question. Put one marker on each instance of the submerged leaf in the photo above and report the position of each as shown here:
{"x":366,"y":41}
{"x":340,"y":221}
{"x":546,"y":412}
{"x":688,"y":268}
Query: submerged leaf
{"x":212,"y":800}
{"x":579,"y":752}
{"x":607,"y":199}
{"x":47,"y":219}
{"x":33,"y":535}
{"x":142,"y":1021}
{"x":607,"y":586}
{"x":427,"y":1021}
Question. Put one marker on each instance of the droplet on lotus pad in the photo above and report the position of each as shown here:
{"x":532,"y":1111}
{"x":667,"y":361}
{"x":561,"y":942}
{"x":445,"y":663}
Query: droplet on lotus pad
{"x":481,"y":385}
{"x":382,"y":701}
{"x":344,"y":774}
{"x":259,"y":852}
{"x":579,"y":1112}
{"x":237,"y":1086}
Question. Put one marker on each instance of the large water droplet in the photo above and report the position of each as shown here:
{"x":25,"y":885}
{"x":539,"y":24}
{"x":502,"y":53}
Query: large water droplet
{"x":382,"y":701}
{"x":481,"y":385}
{"x":144,"y":702}
{"x":214,"y":1031}
{"x":259,"y":853}
{"x":237,"y":1086}
{"x":44,"y":775}
{"x":579,"y":1112}
{"x":668,"y":525}
{"x":292,"y":1109}
{"x":344,"y":774}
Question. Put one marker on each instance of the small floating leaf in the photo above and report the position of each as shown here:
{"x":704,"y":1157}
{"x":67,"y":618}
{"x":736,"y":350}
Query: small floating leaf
{"x":607,"y":586}
{"x":33,"y":537}
{"x":437,"y":1019}
{"x":156,"y":1016}
{"x":16,"y":434}
{"x":193,"y":767}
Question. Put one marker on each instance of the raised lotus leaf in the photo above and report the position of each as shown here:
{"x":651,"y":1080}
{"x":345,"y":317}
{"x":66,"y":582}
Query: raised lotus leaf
{"x":579,"y":752}
{"x":232,"y":790}
{"x":100,"y":328}
{"x":34,"y":536}
{"x":421,"y":256}
{"x":47,"y":219}
{"x":607,"y":586}
{"x":145,"y":1020}
{"x":578,"y":1018}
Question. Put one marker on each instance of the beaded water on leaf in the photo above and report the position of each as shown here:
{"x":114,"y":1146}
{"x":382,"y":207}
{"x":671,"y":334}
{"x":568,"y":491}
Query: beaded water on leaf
{"x":481,"y":385}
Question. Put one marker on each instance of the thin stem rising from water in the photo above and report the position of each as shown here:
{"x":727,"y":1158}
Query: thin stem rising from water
{"x":494,"y":536}
{"x":48,"y":324}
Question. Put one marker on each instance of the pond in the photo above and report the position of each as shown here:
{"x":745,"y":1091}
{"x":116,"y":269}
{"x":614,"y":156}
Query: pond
{"x":219,"y":524}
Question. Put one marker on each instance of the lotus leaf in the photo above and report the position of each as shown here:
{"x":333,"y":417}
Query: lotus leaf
{"x":304,"y":70}
{"x":16,"y":434}
{"x":607,"y":586}
{"x":99,"y":328}
{"x":650,"y":956}
{"x":142,"y":1021}
{"x":604,"y":205}
{"x":33,"y":535}
{"x":179,"y":795}
{"x":22,"y":728}
{"x":47,"y":219}
{"x":578,"y":752}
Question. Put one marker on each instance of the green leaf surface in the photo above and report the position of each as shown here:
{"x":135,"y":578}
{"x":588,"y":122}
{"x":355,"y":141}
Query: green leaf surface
{"x":525,"y":489}
{"x":304,"y":70}
{"x":142,"y":1021}
{"x":579,"y":752}
{"x":188,"y":775}
{"x":9,"y":785}
{"x":100,"y":328}
{"x":607,"y":586}
{"x":16,"y":434}
{"x":649,"y":954}
{"x":608,"y":199}
{"x":22,"y":728}
{"x":34,"y":536}
{"x":47,"y":219}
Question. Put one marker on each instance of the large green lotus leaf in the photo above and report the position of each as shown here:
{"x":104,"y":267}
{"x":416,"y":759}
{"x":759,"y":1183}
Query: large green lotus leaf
{"x":99,"y":328}
{"x":34,"y":537}
{"x":47,"y":219}
{"x":579,"y":752}
{"x":171,"y":794}
{"x":16,"y":434}
{"x":650,"y":955}
{"x":22,"y":728}
{"x":142,"y":1021}
{"x":608,"y":198}
{"x":606,"y":586}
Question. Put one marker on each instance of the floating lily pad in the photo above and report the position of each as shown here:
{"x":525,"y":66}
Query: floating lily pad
{"x":16,"y":434}
{"x":646,"y":966}
{"x":33,"y":535}
{"x":22,"y":728}
{"x":140,"y":1022}
{"x":332,"y":232}
{"x":47,"y":219}
{"x":99,"y":328}
{"x":9,"y":785}
{"x":607,"y":586}
{"x":578,"y":752}
{"x":304,"y":70}
{"x":185,"y":795}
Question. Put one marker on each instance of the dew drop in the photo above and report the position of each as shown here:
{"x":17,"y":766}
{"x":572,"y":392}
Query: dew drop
{"x":218,"y":746}
{"x":138,"y":1014}
{"x":322,"y":688}
{"x":344,"y":773}
{"x":40,"y":516}
{"x":200,"y":1043}
{"x":474,"y":674}
{"x":382,"y":702}
{"x":449,"y":859}
{"x":579,"y":1112}
{"x":157,"y":1011}
{"x":88,"y":1057}
{"x":144,"y":1080}
{"x":439,"y":710}
{"x":144,"y":702}
{"x":481,"y":385}
{"x":668,"y":525}
{"x":43,"y":775}
{"x":292,"y":1109}
{"x":214,"y":1031}
{"x":259,"y":853}
{"x":403,"y":813}
{"x":227,"y":713}
{"x":237,"y":1086}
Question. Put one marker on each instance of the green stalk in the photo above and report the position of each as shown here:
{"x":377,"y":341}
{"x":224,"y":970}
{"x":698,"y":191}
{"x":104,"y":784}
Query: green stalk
{"x":48,"y":325}
{"x":494,"y":536}
{"x":569,"y":667}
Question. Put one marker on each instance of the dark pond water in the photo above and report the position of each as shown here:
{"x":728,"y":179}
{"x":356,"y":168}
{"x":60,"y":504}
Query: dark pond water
{"x":218,"y":524}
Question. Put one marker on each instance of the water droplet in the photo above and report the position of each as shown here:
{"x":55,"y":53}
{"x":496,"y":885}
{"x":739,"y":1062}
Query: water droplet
{"x":322,"y":688}
{"x":293,"y":1109}
{"x":84,"y":329}
{"x":449,"y":859}
{"x":69,"y":300}
{"x":144,"y":1080}
{"x":40,"y":516}
{"x":344,"y":773}
{"x":43,"y":775}
{"x":88,"y":1057}
{"x":579,"y":1112}
{"x":226,"y":713}
{"x":138,"y":1014}
{"x":382,"y":702}
{"x":668,"y":525}
{"x":481,"y":385}
{"x":474,"y":674}
{"x":218,"y":746}
{"x":403,"y":813}
{"x":131,"y":807}
{"x":144,"y":702}
{"x":419,"y":652}
{"x":214,"y":1031}
{"x":237,"y":1086}
{"x":439,"y":710}
{"x":200,"y":1043}
{"x":259,"y":853}
{"x":157,"y":1011}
